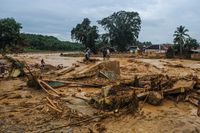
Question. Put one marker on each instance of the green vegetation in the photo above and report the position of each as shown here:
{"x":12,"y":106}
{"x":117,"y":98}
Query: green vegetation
{"x":123,"y":28}
{"x":179,"y":37}
{"x":11,"y":40}
{"x":39,"y":42}
{"x":122,"y":31}
{"x":170,"y":52}
{"x":183,"y":43}
{"x":9,"y":34}
{"x":85,"y":34}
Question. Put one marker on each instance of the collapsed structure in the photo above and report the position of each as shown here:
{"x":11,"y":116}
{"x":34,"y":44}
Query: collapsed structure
{"x":111,"y":91}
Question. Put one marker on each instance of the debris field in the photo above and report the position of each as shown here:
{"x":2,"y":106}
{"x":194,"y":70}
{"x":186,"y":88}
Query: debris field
{"x":117,"y":95}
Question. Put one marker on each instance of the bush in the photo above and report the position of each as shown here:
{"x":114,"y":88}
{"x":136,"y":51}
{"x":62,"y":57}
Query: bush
{"x":170,"y":53}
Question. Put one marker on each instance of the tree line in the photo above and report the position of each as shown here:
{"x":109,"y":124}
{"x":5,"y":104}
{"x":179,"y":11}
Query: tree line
{"x":11,"y":40}
{"x":121,"y":30}
{"x":41,"y":42}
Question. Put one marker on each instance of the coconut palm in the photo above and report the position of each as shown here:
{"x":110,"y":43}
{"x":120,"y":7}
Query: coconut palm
{"x":180,"y":36}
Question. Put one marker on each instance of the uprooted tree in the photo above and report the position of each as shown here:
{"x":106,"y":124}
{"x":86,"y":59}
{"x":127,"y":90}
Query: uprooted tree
{"x":86,"y":34}
{"x":9,"y":33}
{"x":123,"y":28}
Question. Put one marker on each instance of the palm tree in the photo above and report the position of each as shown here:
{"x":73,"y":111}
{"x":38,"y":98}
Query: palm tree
{"x":180,"y":37}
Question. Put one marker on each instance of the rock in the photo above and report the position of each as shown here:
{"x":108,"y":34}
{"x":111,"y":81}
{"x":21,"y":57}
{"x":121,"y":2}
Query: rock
{"x":155,"y":98}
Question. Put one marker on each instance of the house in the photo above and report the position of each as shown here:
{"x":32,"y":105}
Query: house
{"x":195,"y":54}
{"x":133,"y":49}
{"x":139,"y":48}
{"x":157,"y":48}
{"x":166,"y":46}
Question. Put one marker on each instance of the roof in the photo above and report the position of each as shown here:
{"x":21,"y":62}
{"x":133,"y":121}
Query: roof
{"x":196,"y":51}
{"x":133,"y":47}
{"x":154,"y":47}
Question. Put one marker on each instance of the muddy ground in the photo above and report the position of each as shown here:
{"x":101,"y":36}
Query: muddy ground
{"x":24,"y":109}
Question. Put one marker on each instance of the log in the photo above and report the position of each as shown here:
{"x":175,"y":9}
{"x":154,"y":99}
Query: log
{"x":48,"y":86}
{"x":64,"y":71}
{"x":41,"y":85}
{"x":60,"y":111}
{"x":51,"y":102}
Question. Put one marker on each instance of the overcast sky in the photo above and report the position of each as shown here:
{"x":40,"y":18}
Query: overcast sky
{"x":57,"y":17}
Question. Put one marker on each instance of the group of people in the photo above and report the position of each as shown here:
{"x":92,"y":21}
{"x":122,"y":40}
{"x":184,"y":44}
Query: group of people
{"x":105,"y":53}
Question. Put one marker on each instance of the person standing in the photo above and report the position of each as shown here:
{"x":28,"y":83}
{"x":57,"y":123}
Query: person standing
{"x":87,"y":54}
{"x":108,"y":53}
{"x":42,"y":63}
{"x":104,"y":52}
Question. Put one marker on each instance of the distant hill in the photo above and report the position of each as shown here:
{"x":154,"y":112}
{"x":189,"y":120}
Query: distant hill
{"x":36,"y":42}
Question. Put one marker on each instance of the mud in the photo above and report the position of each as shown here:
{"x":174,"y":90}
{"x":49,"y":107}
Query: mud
{"x":24,"y":109}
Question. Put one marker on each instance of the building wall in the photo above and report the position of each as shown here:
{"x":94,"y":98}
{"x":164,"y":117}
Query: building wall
{"x":195,"y":56}
{"x":154,"y":50}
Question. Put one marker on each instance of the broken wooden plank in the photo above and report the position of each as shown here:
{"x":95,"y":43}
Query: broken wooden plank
{"x":44,"y":88}
{"x":108,"y":74}
{"x":52,"y":107}
{"x":48,"y":86}
{"x":66,"y":70}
